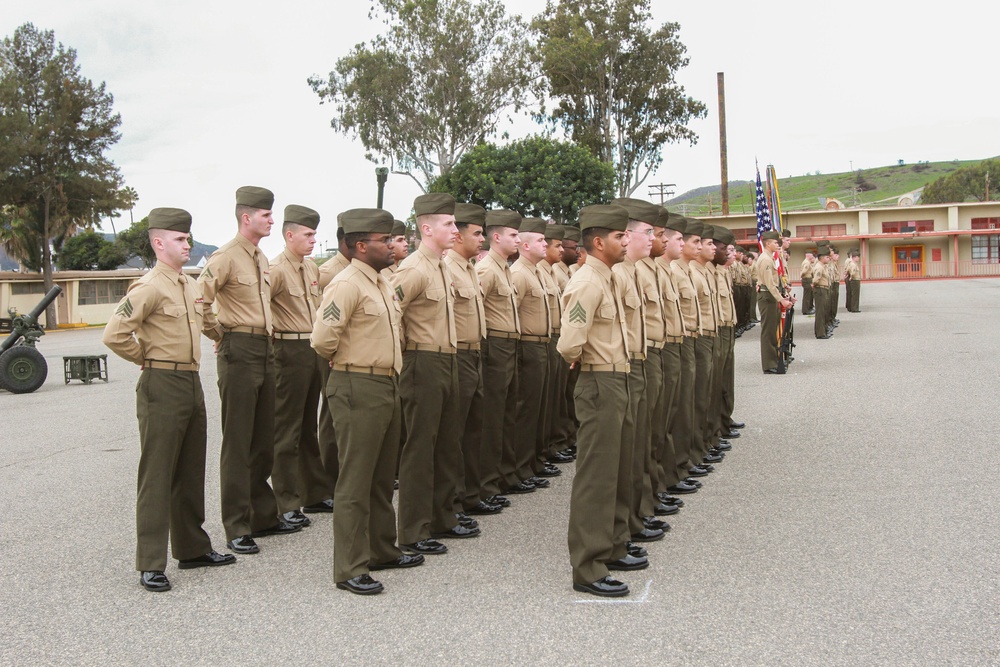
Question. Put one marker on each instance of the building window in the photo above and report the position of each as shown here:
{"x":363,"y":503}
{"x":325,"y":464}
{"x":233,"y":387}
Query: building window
{"x":101,"y":291}
{"x":907,"y":226}
{"x":20,"y":288}
{"x":986,"y":249}
{"x":745,"y":234}
{"x":820,"y":231}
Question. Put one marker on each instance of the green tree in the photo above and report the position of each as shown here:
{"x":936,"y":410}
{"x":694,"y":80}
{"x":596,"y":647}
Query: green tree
{"x":614,"y":82}
{"x":439,"y":81}
{"x":134,"y":241}
{"x":536,"y":176}
{"x":128,"y":198}
{"x":56,"y":125}
{"x":89,"y":251}
{"x":965,"y":184}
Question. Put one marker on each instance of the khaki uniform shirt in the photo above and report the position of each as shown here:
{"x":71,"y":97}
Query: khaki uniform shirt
{"x":836,"y":273}
{"x":532,"y":301}
{"x":821,"y":275}
{"x":554,"y":294}
{"x":707,"y":305}
{"x":237,"y":280}
{"x":423,"y":287}
{"x":331,"y":268}
{"x":649,"y":284}
{"x":767,"y":275}
{"x":853,"y":270}
{"x":635,"y":307}
{"x":389,"y":270}
{"x":562,"y":275}
{"x":295,"y":293}
{"x":470,"y":319}
{"x":593,"y":330}
{"x":161,"y":309}
{"x":680,"y":271}
{"x":727,"y":307}
{"x":673,"y":318}
{"x":807,"y":269}
{"x":358,"y":323}
{"x":498,"y":294}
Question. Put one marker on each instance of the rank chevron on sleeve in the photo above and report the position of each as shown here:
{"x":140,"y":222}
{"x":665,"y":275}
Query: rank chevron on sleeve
{"x":332,"y":312}
{"x":578,"y":314}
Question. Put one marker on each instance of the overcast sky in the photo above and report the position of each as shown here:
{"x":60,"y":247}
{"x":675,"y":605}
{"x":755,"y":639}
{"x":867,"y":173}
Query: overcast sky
{"x":213,"y":94}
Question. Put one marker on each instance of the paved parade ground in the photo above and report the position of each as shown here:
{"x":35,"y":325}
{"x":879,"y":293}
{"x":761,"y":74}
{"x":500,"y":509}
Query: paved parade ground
{"x":856,"y":522}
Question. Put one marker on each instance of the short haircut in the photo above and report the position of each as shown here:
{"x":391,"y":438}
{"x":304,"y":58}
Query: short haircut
{"x":494,"y":229}
{"x":340,"y":233}
{"x":633,"y":224}
{"x":242,"y":210}
{"x":354,"y":238}
{"x":688,"y":237}
{"x":588,"y":235}
{"x":289,"y":226}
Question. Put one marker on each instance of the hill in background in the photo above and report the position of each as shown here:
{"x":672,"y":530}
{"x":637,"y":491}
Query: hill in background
{"x":198,"y":251}
{"x":866,"y":188}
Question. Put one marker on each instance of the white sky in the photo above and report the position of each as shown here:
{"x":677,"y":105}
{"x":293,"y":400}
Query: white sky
{"x":213,"y":94}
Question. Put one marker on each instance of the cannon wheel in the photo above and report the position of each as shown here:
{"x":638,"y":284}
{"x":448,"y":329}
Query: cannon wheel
{"x":22,"y":369}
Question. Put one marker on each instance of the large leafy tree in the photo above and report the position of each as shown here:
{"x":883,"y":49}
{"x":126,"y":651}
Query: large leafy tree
{"x":966,"y":184}
{"x":135,"y":242}
{"x":439,"y":80}
{"x":56,"y":126}
{"x":535,"y":177}
{"x":89,"y":251}
{"x":613,"y":81}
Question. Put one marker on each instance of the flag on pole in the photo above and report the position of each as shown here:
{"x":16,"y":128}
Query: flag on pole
{"x":763,"y":213}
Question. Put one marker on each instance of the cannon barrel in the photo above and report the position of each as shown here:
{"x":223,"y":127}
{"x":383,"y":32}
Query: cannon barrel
{"x":30,"y":320}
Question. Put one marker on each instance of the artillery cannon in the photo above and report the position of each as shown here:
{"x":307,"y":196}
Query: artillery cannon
{"x":22,"y":367}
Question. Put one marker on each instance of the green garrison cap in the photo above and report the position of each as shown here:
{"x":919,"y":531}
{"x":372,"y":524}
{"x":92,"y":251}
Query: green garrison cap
{"x":606,"y":216}
{"x":470,"y":214}
{"x":555,"y":232}
{"x":301,"y":215}
{"x":823,"y":250}
{"x":786,"y":233}
{"x":434,"y":203}
{"x":639,"y":209}
{"x":822,"y":242}
{"x":398,"y":228}
{"x":372,"y":220}
{"x":724,"y":235}
{"x":533,"y":225}
{"x":694,"y":227}
{"x":770,"y":236}
{"x":671,"y":220}
{"x":571,"y":233}
{"x":503,"y":218}
{"x":254,"y":197}
{"x":173,"y":219}
{"x":707,"y":231}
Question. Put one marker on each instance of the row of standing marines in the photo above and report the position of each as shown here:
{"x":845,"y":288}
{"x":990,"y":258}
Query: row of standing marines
{"x":466,"y":376}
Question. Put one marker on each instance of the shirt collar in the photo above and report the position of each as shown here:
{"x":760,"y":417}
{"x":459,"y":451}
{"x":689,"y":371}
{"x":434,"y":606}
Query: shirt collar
{"x":599,"y":266}
{"x":369,"y":272}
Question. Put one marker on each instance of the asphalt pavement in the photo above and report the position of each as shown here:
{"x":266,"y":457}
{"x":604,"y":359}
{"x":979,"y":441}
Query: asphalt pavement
{"x":855,"y":522}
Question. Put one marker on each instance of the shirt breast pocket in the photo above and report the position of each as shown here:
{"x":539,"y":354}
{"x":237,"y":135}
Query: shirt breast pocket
{"x":247,"y":283}
{"x":373,"y":313}
{"x":632,"y":301}
{"x":502,"y":290}
{"x":174,"y":310}
{"x":466,"y":301}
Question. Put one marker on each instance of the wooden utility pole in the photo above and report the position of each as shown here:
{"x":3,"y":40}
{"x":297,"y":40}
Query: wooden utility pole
{"x":723,"y":156}
{"x":661,"y":189}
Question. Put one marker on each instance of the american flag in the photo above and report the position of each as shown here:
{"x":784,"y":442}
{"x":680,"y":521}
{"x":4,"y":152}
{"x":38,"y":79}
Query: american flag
{"x":763,"y":213}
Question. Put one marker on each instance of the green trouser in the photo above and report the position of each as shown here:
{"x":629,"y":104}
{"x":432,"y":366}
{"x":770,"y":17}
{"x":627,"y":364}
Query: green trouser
{"x":470,"y":413}
{"x":428,"y":387}
{"x":366,"y":414}
{"x":246,"y":387}
{"x":598,"y":516}
{"x":298,"y":475}
{"x":326,"y":434}
{"x":834,"y":300}
{"x":639,"y":409}
{"x":754,"y":297}
{"x":500,"y":406}
{"x":704,"y":352}
{"x":728,"y":336}
{"x":713,"y":425}
{"x":854,"y":296}
{"x":170,"y":499}
{"x":822,"y":319}
{"x":561,"y":426}
{"x":807,"y":295}
{"x":768,"y":331}
{"x":573,"y":424}
{"x":642,"y":504}
{"x":663,"y":428}
{"x":532,"y":386}
{"x":683,"y":430}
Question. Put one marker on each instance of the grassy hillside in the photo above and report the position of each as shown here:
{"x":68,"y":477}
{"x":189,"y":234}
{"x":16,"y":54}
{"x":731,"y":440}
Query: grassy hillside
{"x":883,"y":186}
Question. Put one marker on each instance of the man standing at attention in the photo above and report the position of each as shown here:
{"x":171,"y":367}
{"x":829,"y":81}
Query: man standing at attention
{"x":807,"y":291}
{"x":157,"y":326}
{"x":237,"y":280}
{"x":770,"y":298}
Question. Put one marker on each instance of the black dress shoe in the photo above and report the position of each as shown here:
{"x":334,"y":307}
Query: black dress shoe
{"x":731,"y":435}
{"x":826,"y":337}
{"x":519,"y":488}
{"x":648,"y":535}
{"x":549,"y":470}
{"x":458,"y":531}
{"x":655,"y":524}
{"x":774,"y":371}
{"x":560,"y":457}
{"x":484,"y":508}
{"x":697,"y":472}
{"x":361,"y":585}
{"x":682,"y":488}
{"x":606,"y":587}
{"x":321,"y":506}
{"x":664,"y":509}
{"x":297,"y":518}
{"x":724,"y":446}
{"x":211,"y":559}
{"x":243,"y":545}
{"x":425,"y":547}
{"x":502,"y":501}
{"x":667,"y":499}
{"x":629,"y":562}
{"x":636,"y":550}
{"x":737,"y":425}
{"x":466,"y":520}
{"x":538,"y":482}
{"x":280,"y":528}
{"x":405,"y":560}
{"x":571,"y":451}
{"x":692,"y":480}
{"x":155,"y":581}
{"x":712,"y":458}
